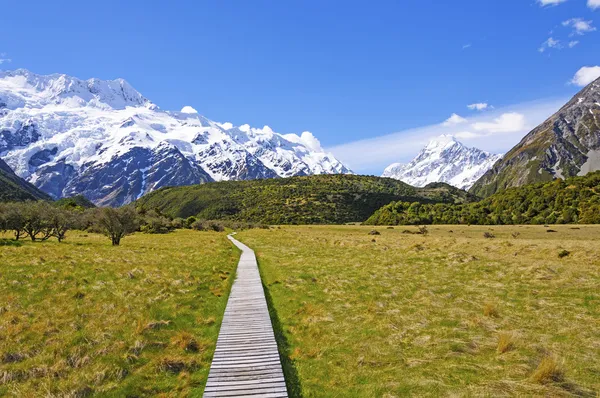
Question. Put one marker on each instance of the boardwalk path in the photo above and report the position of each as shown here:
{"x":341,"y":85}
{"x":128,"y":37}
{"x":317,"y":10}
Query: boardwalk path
{"x":246,"y":362}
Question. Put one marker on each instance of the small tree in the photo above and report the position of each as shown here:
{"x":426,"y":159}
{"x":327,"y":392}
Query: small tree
{"x":14,"y":219}
{"x":60,"y":221}
{"x":117,"y":223}
{"x":36,"y":220}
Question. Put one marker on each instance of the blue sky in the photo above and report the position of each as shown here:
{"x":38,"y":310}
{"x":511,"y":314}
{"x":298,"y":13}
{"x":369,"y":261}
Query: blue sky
{"x":347,"y":71}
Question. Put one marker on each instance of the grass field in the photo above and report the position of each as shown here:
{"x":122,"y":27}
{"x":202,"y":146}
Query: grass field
{"x":451,"y":313}
{"x":84,"y":318}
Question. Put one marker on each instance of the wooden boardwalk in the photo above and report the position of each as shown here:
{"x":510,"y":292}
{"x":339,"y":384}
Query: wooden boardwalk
{"x":246,"y":362}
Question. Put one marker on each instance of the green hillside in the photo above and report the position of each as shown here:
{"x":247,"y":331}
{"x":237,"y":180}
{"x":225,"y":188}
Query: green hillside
{"x":574,"y":200}
{"x":74,"y":202}
{"x":319,"y":199}
{"x":13,"y":188}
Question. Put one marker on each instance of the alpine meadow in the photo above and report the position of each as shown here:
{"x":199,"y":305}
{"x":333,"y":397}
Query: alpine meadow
{"x":300,"y":199}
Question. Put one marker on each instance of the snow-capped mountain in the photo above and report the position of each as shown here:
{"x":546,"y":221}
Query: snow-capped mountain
{"x":104,"y":140}
{"x":444,"y":159}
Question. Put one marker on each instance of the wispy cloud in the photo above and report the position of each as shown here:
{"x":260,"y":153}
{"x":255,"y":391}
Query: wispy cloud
{"x":579,"y":25}
{"x":586,"y":75}
{"x":545,"y":3}
{"x":4,"y":58}
{"x":550,"y":43}
{"x":495,"y":131}
{"x":506,"y":123}
{"x":573,"y":43}
{"x":465,"y":46}
{"x":593,"y":4}
{"x":479,"y":106}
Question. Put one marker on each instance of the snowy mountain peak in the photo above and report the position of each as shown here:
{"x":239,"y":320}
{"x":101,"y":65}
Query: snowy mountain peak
{"x":442,"y":141}
{"x":444,"y":159}
{"x":41,"y":90}
{"x":104,"y":140}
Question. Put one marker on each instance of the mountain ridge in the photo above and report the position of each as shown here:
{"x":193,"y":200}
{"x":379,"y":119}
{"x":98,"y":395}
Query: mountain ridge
{"x":444,"y":159}
{"x":566,"y":144}
{"x":106,"y":141}
{"x":14,"y":188}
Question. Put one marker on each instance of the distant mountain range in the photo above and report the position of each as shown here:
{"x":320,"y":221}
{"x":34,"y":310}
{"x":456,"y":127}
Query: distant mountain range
{"x":444,"y":159}
{"x":565,"y":145}
{"x":104,"y":140}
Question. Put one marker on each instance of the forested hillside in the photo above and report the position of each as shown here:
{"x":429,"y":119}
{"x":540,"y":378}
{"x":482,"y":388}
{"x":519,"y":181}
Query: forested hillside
{"x":574,"y":200}
{"x":13,"y":188}
{"x":321,"y":199}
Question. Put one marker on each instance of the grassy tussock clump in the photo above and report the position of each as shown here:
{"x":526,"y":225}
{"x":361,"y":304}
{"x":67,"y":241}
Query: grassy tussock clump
{"x":447,"y":314}
{"x":548,"y":370}
{"x":83,"y":317}
{"x":506,"y":342}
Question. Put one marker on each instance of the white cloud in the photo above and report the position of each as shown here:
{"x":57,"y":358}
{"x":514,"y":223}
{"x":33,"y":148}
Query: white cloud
{"x":545,"y":3}
{"x":579,"y":25}
{"x":188,"y":109}
{"x":550,"y":43}
{"x":573,"y":43}
{"x":454,"y":120}
{"x":593,"y":4}
{"x":465,"y":46}
{"x":480,"y":106}
{"x":506,"y":123}
{"x":226,"y":125}
{"x":586,"y":75}
{"x":4,"y":58}
{"x":311,"y":141}
{"x":372,"y":155}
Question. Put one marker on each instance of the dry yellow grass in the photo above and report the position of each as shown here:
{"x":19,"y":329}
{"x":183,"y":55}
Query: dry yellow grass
{"x":401,"y":314}
{"x":84,"y":318}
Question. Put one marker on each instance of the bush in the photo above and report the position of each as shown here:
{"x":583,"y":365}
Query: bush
{"x":154,"y":223}
{"x":209,"y":225}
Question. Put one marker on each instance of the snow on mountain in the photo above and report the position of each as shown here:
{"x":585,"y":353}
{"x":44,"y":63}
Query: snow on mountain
{"x":444,"y":159}
{"x":104,"y":140}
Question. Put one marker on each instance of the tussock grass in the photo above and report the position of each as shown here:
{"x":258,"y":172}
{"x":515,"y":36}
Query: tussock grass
{"x":404,"y":316}
{"x":548,"y":370}
{"x":506,"y":342}
{"x":83,"y":318}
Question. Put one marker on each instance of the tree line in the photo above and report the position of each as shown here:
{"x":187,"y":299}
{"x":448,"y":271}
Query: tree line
{"x":41,"y":220}
{"x":574,"y":200}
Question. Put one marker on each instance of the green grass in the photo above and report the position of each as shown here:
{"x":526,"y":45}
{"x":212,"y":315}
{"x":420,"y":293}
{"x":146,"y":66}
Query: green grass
{"x":83,"y":317}
{"x":447,"y":314}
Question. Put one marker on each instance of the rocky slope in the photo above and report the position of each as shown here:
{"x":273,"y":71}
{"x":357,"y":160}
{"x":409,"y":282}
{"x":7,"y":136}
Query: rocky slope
{"x":444,"y":159}
{"x":104,"y":140}
{"x":565,"y":145}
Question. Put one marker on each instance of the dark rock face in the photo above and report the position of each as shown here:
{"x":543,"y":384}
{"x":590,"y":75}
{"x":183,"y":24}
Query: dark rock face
{"x":43,"y":156}
{"x":53,"y":179}
{"x":565,"y":145}
{"x":127,"y":177}
{"x":23,"y":135}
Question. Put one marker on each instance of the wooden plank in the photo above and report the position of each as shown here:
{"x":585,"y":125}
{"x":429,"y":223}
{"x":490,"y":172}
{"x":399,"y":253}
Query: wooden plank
{"x":246,"y":361}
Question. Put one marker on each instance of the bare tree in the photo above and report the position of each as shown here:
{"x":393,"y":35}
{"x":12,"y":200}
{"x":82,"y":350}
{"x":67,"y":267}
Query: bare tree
{"x":117,"y":223}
